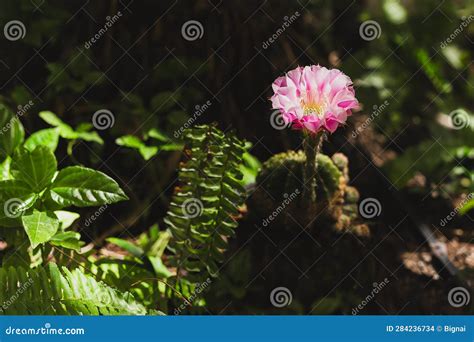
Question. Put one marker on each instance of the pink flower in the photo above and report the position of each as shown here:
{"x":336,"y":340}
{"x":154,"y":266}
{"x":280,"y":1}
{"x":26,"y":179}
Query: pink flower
{"x":314,"y":98}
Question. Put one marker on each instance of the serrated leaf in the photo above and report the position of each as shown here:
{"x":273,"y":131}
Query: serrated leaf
{"x":83,"y":187}
{"x":40,"y":226}
{"x":12,"y":132}
{"x":36,"y":168}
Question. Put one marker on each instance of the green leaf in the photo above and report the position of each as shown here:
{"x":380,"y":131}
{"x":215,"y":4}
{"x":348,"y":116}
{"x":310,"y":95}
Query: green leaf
{"x":50,"y":290}
{"x":468,"y":206}
{"x":83,"y":187}
{"x":12,"y":132}
{"x":67,"y":132}
{"x":128,"y":246}
{"x":132,"y":141}
{"x":66,"y":218}
{"x":36,"y":168}
{"x":160,"y":269}
{"x":171,"y":147}
{"x":159,"y":246}
{"x":249,"y":168}
{"x":69,"y":240}
{"x":46,"y":137}
{"x":5,"y":169}
{"x":201,"y":214}
{"x":52,"y":119}
{"x":89,"y":136}
{"x":40,"y":226}
{"x":158,"y":135}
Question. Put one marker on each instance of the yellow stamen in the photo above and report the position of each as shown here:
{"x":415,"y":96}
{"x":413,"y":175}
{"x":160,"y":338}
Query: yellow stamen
{"x":313,"y":108}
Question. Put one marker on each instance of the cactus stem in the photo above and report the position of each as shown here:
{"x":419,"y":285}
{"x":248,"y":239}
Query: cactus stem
{"x":312,"y":145}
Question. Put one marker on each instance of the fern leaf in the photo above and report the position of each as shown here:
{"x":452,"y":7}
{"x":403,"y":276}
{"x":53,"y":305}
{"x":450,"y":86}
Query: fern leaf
{"x":203,"y":212}
{"x":52,"y":290}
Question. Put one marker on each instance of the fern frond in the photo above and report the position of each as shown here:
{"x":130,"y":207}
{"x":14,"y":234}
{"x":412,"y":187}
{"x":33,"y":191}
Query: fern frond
{"x":210,"y":186}
{"x":52,"y":290}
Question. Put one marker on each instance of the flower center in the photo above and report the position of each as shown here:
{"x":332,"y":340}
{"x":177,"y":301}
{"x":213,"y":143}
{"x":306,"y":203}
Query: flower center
{"x":312,"y":108}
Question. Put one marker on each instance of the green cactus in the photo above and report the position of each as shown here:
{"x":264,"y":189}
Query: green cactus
{"x":281,"y":184}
